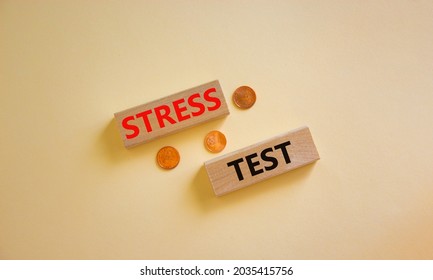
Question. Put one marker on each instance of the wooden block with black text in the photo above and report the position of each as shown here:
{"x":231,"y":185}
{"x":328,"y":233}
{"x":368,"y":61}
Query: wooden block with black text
{"x":261,"y":161}
{"x":171,"y":114}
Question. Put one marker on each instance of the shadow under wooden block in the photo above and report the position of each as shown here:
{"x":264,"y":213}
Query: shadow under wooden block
{"x":111,"y":148}
{"x":287,"y":182}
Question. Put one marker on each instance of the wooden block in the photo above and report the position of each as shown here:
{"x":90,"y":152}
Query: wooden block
{"x":171,"y":114}
{"x":261,"y":161}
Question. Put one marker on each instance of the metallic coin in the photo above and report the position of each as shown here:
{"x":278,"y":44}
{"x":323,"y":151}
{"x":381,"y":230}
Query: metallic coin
{"x":168,"y":157}
{"x":215,"y":141}
{"x":244,"y":97}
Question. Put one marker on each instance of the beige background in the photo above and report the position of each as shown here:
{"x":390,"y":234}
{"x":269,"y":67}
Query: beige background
{"x":358,"y":73}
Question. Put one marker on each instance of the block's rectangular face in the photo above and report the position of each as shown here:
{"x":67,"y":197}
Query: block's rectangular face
{"x":171,"y":114}
{"x":261,"y":161}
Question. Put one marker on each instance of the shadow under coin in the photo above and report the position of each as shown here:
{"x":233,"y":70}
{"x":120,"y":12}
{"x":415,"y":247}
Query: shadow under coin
{"x":208,"y":201}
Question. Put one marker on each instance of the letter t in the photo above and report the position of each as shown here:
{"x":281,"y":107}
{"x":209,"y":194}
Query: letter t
{"x":235,"y":163}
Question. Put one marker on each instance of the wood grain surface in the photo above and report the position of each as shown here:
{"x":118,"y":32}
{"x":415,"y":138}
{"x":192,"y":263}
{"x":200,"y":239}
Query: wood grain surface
{"x":261,"y":161}
{"x":143,"y":123}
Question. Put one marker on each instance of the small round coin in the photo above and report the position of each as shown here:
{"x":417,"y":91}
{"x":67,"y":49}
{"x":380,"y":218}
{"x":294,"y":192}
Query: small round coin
{"x":244,"y":97}
{"x":168,"y":157}
{"x":215,"y":141}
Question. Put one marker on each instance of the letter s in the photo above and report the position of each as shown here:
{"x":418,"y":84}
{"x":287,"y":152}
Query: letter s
{"x":209,"y":98}
{"x":195,"y":104}
{"x":128,"y":126}
{"x":265,"y":157}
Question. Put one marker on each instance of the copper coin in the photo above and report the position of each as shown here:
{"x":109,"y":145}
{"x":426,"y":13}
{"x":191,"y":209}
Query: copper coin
{"x":215,"y":141}
{"x":168,"y":157}
{"x":244,"y":97}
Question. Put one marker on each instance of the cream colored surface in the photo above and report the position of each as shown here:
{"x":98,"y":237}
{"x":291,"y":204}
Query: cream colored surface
{"x":358,"y":73}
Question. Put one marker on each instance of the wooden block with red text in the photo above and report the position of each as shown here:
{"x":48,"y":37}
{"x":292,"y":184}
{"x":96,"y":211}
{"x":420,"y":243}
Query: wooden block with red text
{"x":261,"y":161}
{"x":171,"y":114}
